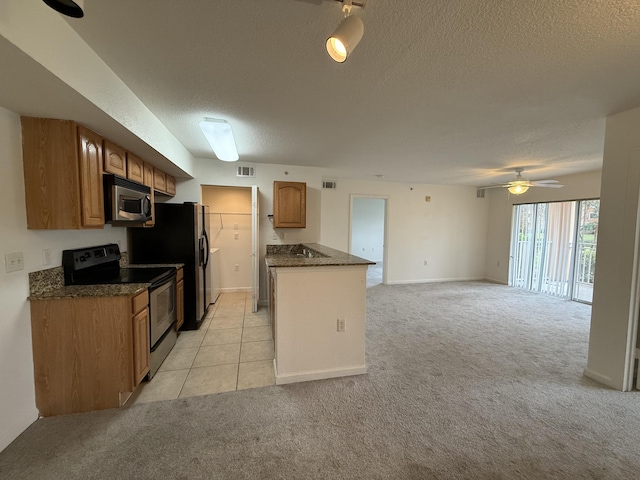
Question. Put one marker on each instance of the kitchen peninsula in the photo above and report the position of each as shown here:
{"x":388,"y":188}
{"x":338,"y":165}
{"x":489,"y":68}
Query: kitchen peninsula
{"x":317,"y":305}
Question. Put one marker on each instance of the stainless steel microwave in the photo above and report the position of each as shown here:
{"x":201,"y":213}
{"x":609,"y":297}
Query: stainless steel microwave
{"x":125,"y":201}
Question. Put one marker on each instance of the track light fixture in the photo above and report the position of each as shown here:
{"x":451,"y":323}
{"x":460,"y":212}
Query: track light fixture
{"x":70,"y":8}
{"x":347,"y":35}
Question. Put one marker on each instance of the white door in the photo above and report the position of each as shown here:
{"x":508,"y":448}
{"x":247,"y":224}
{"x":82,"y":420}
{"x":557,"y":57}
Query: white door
{"x":255,"y":246}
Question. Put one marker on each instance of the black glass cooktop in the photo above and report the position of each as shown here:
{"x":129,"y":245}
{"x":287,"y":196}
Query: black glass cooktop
{"x":123,"y":275}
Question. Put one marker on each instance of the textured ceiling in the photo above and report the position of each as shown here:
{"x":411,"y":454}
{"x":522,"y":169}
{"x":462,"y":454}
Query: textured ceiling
{"x":438,"y":91}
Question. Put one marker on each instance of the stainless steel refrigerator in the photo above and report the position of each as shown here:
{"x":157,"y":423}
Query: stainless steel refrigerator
{"x":180,"y":235}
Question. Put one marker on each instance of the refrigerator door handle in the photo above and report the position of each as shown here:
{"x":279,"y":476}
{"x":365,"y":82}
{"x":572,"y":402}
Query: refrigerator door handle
{"x":206,"y":248}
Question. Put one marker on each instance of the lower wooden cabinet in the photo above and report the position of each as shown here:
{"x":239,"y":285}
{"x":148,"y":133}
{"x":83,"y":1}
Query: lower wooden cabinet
{"x":89,"y":353}
{"x":179,"y":299}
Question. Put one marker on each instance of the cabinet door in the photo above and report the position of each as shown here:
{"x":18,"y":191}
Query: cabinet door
{"x":115,"y":159}
{"x":159,"y":180}
{"x":91,"y":191}
{"x":179,"y":304}
{"x":171,"y":184}
{"x":141,"y":347}
{"x":289,"y":204}
{"x":135,"y":168}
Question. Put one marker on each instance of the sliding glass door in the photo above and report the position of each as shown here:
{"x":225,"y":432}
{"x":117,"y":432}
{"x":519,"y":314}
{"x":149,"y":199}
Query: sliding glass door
{"x":551,"y":249}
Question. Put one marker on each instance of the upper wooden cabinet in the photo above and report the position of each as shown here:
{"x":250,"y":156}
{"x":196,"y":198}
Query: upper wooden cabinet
{"x":289,"y":204}
{"x":170,"y":184}
{"x":62,"y":164}
{"x":159,"y":180}
{"x":135,"y":168}
{"x":115,"y":159}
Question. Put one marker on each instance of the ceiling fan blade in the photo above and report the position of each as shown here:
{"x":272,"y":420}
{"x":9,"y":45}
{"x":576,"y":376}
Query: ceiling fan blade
{"x":495,"y":186}
{"x":548,"y":185}
{"x":537,"y":182}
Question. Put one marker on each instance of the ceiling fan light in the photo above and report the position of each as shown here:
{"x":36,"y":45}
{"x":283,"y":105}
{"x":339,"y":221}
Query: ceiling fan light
{"x":345,"y":38}
{"x":220,"y":136}
{"x":70,"y":8}
{"x":518,"y":189}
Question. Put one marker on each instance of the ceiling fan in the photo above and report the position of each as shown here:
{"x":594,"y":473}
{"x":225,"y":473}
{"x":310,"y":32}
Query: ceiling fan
{"x":520,"y":185}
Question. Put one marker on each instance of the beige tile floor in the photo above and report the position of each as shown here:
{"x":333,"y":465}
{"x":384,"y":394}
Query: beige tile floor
{"x":232,"y":350}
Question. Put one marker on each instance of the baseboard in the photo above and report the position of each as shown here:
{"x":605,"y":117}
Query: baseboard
{"x":493,"y":280}
{"x":317,"y":374}
{"x":13,"y":431}
{"x":236,"y":289}
{"x":435,"y":280}
{"x":600,"y":378}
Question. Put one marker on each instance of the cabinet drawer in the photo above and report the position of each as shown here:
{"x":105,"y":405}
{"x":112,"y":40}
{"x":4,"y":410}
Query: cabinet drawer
{"x":140,"y":302}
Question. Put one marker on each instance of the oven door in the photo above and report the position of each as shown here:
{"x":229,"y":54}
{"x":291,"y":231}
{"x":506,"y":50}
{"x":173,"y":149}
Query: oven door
{"x":162,"y":309}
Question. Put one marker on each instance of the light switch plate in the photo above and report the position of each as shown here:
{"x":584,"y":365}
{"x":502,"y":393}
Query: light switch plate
{"x":13,"y":262}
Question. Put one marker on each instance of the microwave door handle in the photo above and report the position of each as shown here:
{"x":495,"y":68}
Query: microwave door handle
{"x":146,"y":206}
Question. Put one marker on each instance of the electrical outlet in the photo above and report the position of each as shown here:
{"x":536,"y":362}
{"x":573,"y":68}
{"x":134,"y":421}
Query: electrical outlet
{"x":275,"y":236}
{"x":425,"y":263}
{"x":282,"y":235}
{"x":236,"y":235}
{"x":46,"y":256}
{"x":341,"y":324}
{"x":13,"y":262}
{"x":237,"y":267}
{"x":235,"y":226}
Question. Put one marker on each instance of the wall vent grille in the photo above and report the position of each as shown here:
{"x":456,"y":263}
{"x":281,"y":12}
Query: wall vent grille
{"x":329,"y":184}
{"x":245,"y":172}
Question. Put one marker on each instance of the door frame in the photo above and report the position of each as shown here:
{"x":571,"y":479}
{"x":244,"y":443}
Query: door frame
{"x":385,"y":228}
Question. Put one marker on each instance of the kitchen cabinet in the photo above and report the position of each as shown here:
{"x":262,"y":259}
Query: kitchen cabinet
{"x":179,"y":299}
{"x":289,"y":204}
{"x":89,"y":353}
{"x":63,"y":167}
{"x":159,"y":180}
{"x":170,"y":183}
{"x":115,"y":159}
{"x":135,"y":168}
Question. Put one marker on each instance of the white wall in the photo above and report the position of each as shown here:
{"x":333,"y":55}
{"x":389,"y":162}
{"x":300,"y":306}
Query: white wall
{"x":576,"y":187}
{"x":615,"y":311}
{"x":17,"y":398}
{"x":231,"y":233}
{"x":449,"y":232}
{"x":367,"y":228}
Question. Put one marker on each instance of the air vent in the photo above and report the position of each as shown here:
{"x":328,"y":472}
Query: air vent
{"x":330,"y":184}
{"x":245,"y":172}
{"x":480,"y":193}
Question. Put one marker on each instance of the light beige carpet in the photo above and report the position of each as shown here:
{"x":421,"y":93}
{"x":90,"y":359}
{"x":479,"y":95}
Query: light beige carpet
{"x":466,"y":380}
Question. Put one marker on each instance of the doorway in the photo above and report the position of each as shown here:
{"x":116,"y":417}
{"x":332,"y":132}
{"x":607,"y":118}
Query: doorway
{"x":233,"y":213}
{"x":367,"y":235}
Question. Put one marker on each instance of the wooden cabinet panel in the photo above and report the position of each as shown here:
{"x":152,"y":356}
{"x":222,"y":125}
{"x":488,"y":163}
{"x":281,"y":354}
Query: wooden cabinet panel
{"x":179,"y":302}
{"x":82,"y":353}
{"x":141,"y":347}
{"x":135,"y":168}
{"x":170,"y":184}
{"x":62,"y":174}
{"x":115,"y":159}
{"x":159,"y":180}
{"x":289,"y":204}
{"x":91,"y":189}
{"x":140,"y":302}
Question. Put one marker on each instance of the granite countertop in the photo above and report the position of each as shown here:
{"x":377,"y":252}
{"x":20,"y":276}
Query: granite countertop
{"x":49,"y":285}
{"x":76,"y":291}
{"x":285,"y":256}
